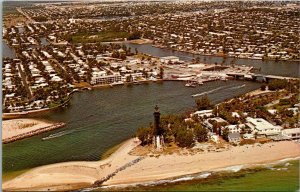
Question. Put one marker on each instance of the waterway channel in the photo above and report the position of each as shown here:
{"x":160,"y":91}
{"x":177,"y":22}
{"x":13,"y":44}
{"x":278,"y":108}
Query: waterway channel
{"x":99,"y":119}
{"x":270,"y":67}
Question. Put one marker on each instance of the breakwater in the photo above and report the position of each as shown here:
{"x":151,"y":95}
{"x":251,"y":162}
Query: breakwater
{"x":109,"y":176}
{"x":32,"y":133}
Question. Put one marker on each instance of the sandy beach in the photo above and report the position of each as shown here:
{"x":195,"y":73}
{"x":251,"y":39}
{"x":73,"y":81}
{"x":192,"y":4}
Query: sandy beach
{"x":74,"y":175}
{"x":16,"y":129}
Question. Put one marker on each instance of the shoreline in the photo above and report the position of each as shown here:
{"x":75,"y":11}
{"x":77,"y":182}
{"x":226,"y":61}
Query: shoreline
{"x":191,"y":164}
{"x":18,"y":129}
{"x":222,"y":56}
{"x":201,"y":175}
{"x":26,"y":114}
{"x":69,"y":175}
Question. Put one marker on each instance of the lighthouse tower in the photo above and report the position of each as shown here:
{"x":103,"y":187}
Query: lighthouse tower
{"x":158,"y":139}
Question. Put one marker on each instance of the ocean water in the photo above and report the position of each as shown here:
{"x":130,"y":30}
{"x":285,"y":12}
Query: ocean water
{"x":283,"y":177}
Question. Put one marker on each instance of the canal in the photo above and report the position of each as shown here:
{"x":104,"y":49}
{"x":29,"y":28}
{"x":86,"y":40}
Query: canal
{"x":7,"y":51}
{"x":283,"y":68}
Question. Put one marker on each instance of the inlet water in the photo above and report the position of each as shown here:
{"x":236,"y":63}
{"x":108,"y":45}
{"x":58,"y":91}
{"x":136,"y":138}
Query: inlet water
{"x":99,"y":119}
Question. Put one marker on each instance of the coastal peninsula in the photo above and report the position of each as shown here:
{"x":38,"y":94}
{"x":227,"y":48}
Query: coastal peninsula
{"x":75,"y":175}
{"x":222,"y":77}
{"x":16,"y":129}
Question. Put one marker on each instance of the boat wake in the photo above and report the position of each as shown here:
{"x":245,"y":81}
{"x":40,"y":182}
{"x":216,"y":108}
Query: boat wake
{"x":208,"y":92}
{"x":214,"y":90}
{"x":237,"y":87}
{"x":59,"y":134}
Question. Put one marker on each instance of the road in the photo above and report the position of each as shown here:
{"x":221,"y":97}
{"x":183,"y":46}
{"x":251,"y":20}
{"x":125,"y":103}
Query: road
{"x":23,"y":76}
{"x":25,"y":14}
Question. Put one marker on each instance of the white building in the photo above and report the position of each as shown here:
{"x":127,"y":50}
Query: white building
{"x":204,"y":113}
{"x":108,"y":79}
{"x":168,"y":59}
{"x":262,"y":127}
{"x":234,"y":128}
{"x":293,"y":133}
{"x":234,"y":137}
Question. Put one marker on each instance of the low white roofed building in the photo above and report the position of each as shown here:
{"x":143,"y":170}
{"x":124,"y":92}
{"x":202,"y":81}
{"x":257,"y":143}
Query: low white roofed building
{"x":234,"y":137}
{"x":272,"y":111}
{"x":106,"y":79}
{"x":292,"y":133}
{"x":56,"y":78}
{"x":262,"y":127}
{"x":248,"y":136}
{"x":169,"y":59}
{"x":234,"y":128}
{"x":203,"y":113}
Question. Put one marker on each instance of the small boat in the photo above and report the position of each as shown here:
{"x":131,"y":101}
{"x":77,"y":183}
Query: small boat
{"x":86,"y":88}
{"x":223,"y":78}
{"x":191,"y":84}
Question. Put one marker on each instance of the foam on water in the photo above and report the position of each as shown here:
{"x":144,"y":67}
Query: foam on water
{"x":210,"y":91}
{"x":59,"y":134}
{"x":159,"y":182}
{"x":232,"y":168}
{"x":202,"y":175}
{"x":237,"y":87}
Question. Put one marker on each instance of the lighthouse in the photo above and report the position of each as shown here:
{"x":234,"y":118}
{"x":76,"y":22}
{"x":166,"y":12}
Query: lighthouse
{"x":158,"y":138}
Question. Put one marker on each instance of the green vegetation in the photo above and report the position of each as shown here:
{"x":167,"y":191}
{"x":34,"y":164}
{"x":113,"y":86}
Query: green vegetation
{"x":145,"y":135}
{"x":263,"y":87}
{"x":134,"y":35}
{"x":176,"y":130}
{"x":200,"y":133}
{"x":280,"y":84}
{"x":185,"y":138}
{"x":258,"y":105}
{"x":103,"y":36}
{"x":203,"y":103}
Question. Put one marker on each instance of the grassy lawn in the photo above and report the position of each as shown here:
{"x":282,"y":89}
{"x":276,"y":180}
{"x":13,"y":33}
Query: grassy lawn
{"x":103,"y":36}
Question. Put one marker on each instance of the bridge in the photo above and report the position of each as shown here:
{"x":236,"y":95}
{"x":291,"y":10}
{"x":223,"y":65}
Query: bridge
{"x":259,"y":77}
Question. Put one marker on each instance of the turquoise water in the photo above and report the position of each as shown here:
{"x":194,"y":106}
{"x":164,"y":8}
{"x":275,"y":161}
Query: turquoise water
{"x":100,"y":119}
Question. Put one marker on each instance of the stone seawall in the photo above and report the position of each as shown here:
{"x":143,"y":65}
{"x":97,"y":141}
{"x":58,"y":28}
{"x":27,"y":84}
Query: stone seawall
{"x":32,"y":133}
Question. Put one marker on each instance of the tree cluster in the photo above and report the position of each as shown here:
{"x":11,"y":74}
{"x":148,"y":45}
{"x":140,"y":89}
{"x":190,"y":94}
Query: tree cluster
{"x":176,"y":130}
